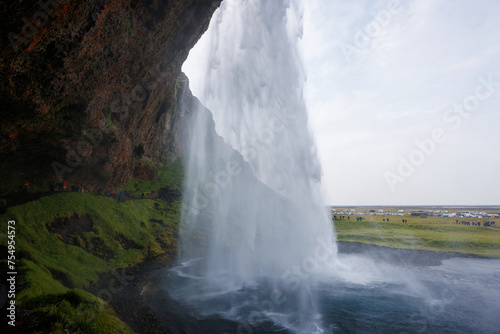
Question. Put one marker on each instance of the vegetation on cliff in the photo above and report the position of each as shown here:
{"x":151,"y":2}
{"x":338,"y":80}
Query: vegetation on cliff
{"x":65,"y":241}
{"x":88,"y":99}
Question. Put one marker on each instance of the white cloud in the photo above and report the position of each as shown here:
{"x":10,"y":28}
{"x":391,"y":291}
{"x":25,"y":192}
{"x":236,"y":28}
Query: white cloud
{"x":368,"y":110}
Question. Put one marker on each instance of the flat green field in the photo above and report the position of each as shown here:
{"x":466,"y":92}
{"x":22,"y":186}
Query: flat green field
{"x":431,"y":233}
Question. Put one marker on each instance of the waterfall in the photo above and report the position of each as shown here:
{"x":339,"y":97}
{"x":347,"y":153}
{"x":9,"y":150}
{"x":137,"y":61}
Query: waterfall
{"x":253,"y":209}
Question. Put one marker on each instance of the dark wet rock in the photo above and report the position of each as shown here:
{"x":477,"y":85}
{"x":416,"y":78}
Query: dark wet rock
{"x":88,"y":88}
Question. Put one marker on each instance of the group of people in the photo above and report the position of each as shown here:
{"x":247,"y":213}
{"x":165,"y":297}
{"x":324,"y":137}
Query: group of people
{"x":341,"y":218}
{"x":111,"y":193}
{"x":63,"y":186}
{"x":359,"y":218}
{"x":348,"y":218}
{"x":473,"y":223}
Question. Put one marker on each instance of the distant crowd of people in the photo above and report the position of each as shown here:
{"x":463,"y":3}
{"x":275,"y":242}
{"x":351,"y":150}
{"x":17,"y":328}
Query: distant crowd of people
{"x":359,"y":218}
{"x":111,"y":193}
{"x":63,"y":187}
{"x":487,"y":223}
{"x":475,"y":223}
{"x":341,"y":217}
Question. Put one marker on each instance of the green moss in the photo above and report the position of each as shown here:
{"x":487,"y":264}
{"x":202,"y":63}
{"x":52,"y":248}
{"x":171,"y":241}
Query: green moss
{"x":128,"y":20}
{"x":52,"y":267}
{"x":82,"y":265}
{"x":74,"y":310}
{"x":179,"y":85}
{"x":108,"y":121}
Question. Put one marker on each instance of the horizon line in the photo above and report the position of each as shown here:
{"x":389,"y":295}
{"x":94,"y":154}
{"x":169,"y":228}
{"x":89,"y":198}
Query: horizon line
{"x":419,"y":205}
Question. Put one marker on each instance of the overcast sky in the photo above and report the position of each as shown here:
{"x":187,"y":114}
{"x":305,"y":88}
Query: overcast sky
{"x":383,"y":75}
{"x":404,"y":100}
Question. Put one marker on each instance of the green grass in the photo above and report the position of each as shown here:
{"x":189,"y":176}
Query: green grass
{"x":52,"y":270}
{"x":73,"y":311}
{"x":132,"y":219}
{"x":432,"y":233}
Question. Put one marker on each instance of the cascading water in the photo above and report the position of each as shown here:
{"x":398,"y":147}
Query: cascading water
{"x":257,"y":252}
{"x":258,"y":201}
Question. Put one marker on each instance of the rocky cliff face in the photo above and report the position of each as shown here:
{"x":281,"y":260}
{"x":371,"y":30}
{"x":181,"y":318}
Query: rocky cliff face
{"x":87,"y":87}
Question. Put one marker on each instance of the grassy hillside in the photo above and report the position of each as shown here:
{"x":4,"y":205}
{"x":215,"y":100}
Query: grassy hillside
{"x":66,"y":240}
{"x":432,"y":233}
